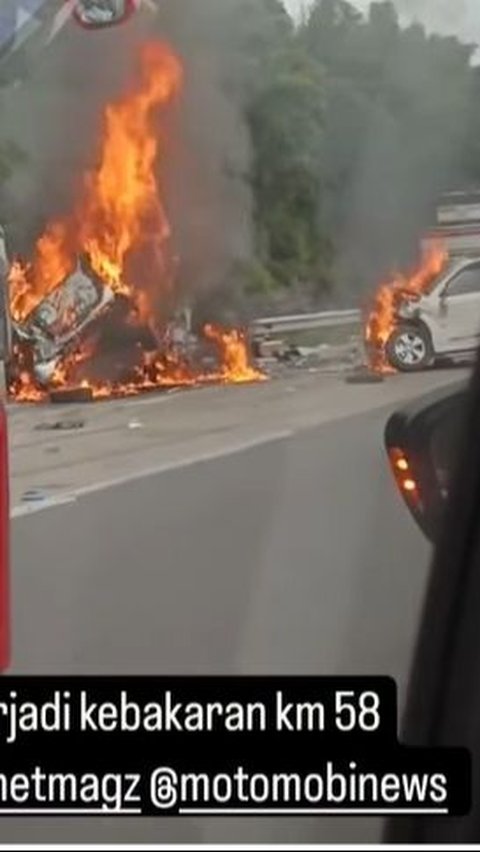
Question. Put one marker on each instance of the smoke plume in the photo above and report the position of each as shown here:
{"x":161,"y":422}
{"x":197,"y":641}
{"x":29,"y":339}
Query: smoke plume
{"x":461,"y":17}
{"x":54,"y":115}
{"x":403,"y":167}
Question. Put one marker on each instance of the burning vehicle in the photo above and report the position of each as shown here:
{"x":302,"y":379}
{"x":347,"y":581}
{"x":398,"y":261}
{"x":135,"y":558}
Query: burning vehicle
{"x":396,"y":335}
{"x":95,"y":307}
{"x":434,"y":313}
{"x":54,"y":327}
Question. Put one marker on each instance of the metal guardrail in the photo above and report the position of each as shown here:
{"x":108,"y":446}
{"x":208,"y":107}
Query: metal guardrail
{"x":305,"y":322}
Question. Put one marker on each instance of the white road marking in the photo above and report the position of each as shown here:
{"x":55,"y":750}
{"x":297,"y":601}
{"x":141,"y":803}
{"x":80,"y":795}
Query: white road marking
{"x":71,"y":497}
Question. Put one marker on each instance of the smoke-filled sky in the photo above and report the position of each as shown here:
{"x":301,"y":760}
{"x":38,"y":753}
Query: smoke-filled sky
{"x":461,"y":17}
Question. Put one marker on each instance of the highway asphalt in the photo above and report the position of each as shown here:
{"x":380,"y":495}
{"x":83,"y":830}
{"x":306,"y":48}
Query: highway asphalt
{"x":275,"y":552}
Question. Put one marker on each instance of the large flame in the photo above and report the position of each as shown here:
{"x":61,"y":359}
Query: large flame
{"x":119,"y":216}
{"x":120,"y":206}
{"x":383,"y":316}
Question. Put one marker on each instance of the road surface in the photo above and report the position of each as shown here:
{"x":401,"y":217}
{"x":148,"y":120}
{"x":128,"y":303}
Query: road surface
{"x":244,"y":530}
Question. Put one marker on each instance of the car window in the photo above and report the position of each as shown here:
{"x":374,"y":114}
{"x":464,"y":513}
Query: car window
{"x":467,"y":281}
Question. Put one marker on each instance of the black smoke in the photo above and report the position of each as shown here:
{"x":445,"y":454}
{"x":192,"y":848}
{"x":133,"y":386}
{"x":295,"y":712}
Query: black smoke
{"x":55,"y":111}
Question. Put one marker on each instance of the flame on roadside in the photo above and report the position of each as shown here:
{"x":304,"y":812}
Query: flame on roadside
{"x":234,"y":355}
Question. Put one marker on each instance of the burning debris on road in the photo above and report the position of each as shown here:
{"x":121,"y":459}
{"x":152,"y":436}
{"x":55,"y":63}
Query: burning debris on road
{"x":94,"y":307}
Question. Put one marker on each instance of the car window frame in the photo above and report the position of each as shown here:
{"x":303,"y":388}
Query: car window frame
{"x":453,"y":280}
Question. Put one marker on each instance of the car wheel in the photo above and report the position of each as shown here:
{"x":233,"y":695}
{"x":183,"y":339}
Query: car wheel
{"x":410,"y":348}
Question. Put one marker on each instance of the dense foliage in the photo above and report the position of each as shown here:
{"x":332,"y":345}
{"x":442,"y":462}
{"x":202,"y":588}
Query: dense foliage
{"x":357,"y":124}
{"x":350,"y":126}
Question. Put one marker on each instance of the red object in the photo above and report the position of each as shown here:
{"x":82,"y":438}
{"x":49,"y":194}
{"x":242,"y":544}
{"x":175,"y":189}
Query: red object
{"x":4,"y":545}
{"x":130,"y":8}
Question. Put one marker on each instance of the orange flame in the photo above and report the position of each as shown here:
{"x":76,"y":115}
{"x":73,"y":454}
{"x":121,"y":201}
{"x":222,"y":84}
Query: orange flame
{"x":154,"y":372}
{"x":120,"y":213}
{"x":122,"y":203}
{"x":383,"y":316}
{"x":120,"y":207}
{"x":234,"y":355}
{"x":22,"y":295}
{"x":53,"y":260}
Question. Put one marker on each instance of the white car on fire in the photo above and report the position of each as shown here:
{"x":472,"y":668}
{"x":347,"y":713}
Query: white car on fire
{"x":442,"y":322}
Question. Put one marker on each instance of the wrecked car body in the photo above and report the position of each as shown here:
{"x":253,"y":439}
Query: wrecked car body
{"x":60,"y":320}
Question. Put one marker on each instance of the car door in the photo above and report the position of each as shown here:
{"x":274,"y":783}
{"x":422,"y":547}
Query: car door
{"x":460,"y":309}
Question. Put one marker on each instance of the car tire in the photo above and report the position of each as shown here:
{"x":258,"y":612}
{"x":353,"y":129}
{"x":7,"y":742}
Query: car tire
{"x":410,"y":348}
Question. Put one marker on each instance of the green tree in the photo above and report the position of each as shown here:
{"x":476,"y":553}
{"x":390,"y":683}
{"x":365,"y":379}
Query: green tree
{"x":329,"y":29}
{"x":400,"y":125}
{"x":286,"y":121}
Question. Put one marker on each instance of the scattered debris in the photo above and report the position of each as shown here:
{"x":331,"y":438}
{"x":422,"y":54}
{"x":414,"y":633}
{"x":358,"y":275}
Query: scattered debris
{"x":71,"y":395}
{"x":364,"y":376}
{"x":267,"y":348}
{"x":60,"y":426}
{"x":34,"y":495}
{"x":292,"y":355}
{"x":319,"y":357}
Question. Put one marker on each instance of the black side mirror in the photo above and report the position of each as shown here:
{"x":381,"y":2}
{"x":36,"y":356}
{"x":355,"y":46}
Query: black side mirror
{"x":422,"y":441}
{"x":96,"y":14}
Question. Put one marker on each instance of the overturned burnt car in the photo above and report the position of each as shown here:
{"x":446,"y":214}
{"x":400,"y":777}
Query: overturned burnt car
{"x":58,"y":323}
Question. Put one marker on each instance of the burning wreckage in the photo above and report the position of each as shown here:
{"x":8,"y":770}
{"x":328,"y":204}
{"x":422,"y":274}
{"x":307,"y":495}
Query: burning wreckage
{"x":432,"y":313}
{"x":95,"y":308}
{"x":394,"y":311}
{"x":56,"y":326}
{"x":59,"y":345}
